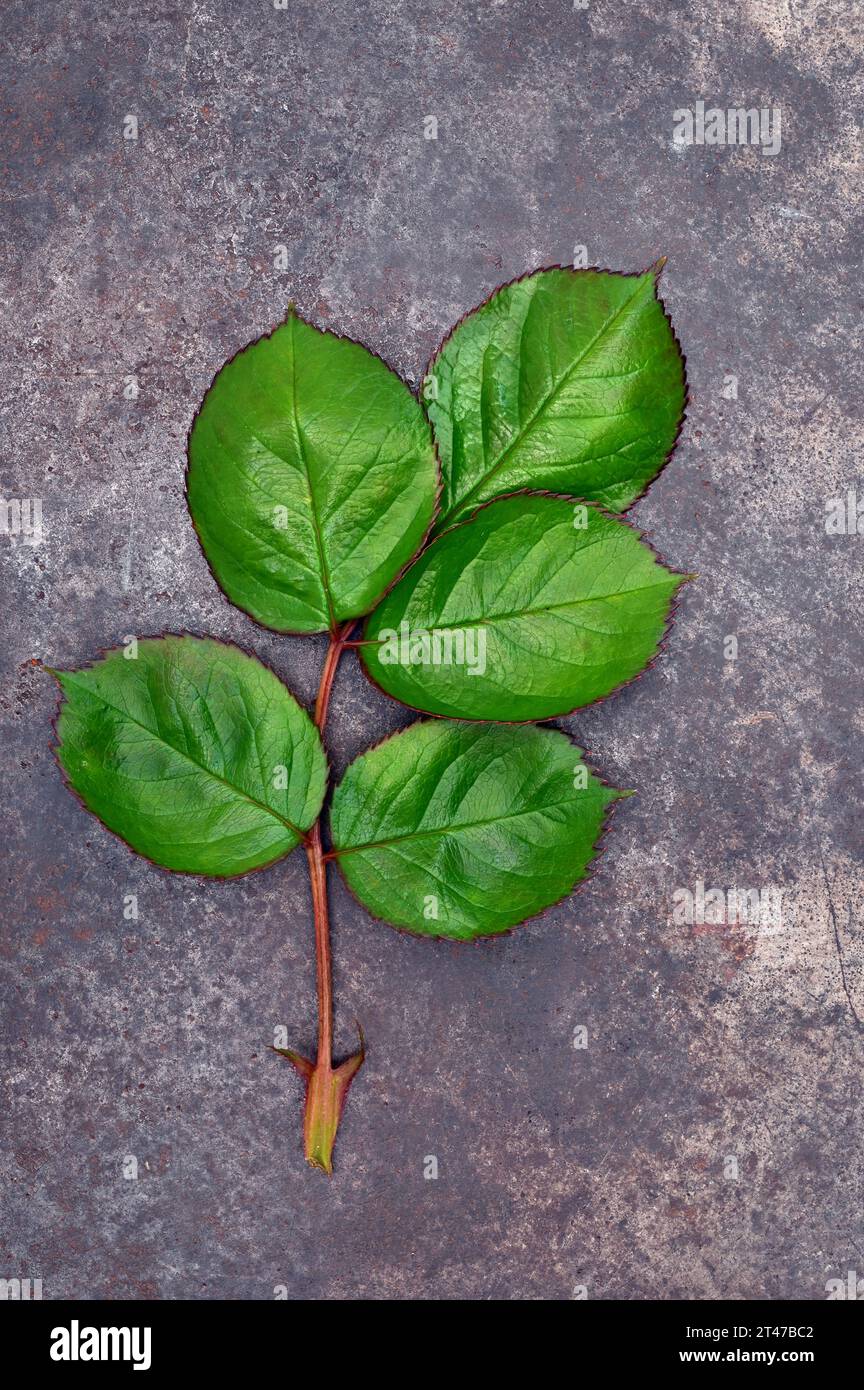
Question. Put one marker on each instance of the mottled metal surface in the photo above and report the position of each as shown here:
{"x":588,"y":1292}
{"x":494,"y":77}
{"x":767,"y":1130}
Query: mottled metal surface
{"x":559,"y":1167}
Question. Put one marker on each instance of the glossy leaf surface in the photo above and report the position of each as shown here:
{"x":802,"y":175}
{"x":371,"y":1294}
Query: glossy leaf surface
{"x":312,"y":478}
{"x":566,"y":380}
{"x":193,"y":752}
{"x":463,"y":830}
{"x":535,"y":607}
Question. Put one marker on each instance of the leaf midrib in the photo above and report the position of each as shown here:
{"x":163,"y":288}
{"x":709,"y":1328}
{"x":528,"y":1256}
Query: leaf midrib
{"x":531,"y":612}
{"x":244,"y":796}
{"x":313,"y":510}
{"x":550,"y":396}
{"x":448,"y":829}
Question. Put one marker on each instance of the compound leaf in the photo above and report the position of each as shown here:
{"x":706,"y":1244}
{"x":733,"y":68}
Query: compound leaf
{"x":566,"y":380}
{"x":312,"y":478}
{"x":192,"y":752}
{"x":462,"y":830}
{"x":535,"y":607}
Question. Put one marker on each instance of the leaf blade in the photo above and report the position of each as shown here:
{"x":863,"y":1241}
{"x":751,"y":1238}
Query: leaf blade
{"x":487,"y":822}
{"x":193,"y":753}
{"x":550,"y":616}
{"x":312,"y":478}
{"x":565,"y":380}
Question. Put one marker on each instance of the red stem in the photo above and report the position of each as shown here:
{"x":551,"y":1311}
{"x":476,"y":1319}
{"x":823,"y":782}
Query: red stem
{"x":318,"y":878}
{"x":338,"y":642}
{"x":326,"y":1086}
{"x":317,"y":871}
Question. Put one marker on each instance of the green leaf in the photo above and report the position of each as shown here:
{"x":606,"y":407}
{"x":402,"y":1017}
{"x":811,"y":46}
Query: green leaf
{"x":312,"y":478}
{"x":193,"y":752}
{"x":535,"y":607}
{"x":462,"y":830}
{"x":566,"y":380}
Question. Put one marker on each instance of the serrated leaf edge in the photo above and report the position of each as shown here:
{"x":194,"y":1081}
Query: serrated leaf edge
{"x":55,"y":745}
{"x":599,"y":847}
{"x":290,"y":313}
{"x":642,"y":536}
{"x":656,"y":270}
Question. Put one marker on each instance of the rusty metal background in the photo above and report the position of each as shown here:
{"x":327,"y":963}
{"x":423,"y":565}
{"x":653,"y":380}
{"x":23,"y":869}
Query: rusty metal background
{"x":140,"y":265}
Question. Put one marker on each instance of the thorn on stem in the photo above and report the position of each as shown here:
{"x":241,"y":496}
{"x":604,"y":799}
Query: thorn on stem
{"x":302,"y":1064}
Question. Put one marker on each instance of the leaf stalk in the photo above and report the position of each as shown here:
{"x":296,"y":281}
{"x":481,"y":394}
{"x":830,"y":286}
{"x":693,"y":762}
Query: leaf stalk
{"x":326,"y":1085}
